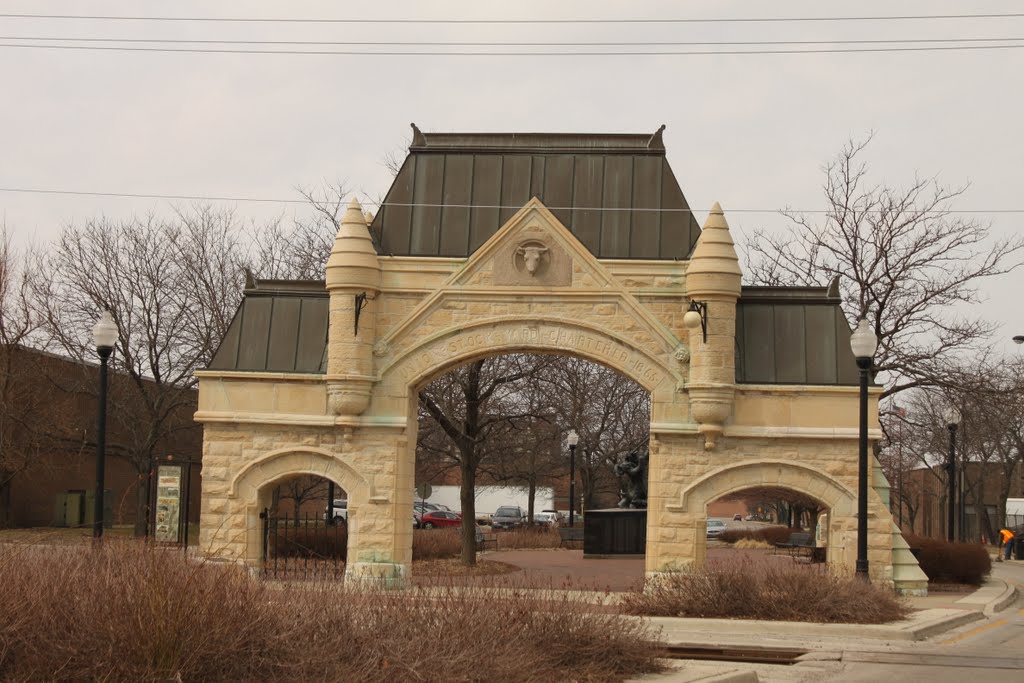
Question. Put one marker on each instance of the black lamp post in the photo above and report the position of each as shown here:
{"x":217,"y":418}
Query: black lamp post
{"x":104,"y":336}
{"x":572,"y":439}
{"x":952,"y":416}
{"x":864,"y":343}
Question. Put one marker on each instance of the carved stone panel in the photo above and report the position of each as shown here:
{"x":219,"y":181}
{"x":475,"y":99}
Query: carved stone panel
{"x":532,"y":260}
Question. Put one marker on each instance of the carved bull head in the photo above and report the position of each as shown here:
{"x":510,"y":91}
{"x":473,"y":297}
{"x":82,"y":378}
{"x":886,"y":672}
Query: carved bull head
{"x":531,"y":256}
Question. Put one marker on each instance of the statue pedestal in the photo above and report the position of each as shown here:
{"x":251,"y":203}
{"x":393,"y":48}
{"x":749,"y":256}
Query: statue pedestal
{"x":614,"y":533}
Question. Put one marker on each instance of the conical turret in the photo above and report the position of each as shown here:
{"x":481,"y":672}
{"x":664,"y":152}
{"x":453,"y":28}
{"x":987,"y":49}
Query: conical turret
{"x":353,"y":262}
{"x":713,"y":284}
{"x":353,"y":281}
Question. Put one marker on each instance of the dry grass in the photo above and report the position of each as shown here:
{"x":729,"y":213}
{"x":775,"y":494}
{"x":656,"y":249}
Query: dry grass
{"x":765,"y":592}
{"x":528,"y":537}
{"x":945,"y":562}
{"x":752,"y":544}
{"x":127,"y":612}
{"x":436,"y":544}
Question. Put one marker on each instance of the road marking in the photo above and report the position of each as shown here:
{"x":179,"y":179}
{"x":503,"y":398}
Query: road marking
{"x":974,"y":632}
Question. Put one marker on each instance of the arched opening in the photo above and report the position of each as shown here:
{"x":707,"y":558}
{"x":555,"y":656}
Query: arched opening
{"x":303,"y":527}
{"x":788,"y":485}
{"x":767,"y":525}
{"x":491,"y":442}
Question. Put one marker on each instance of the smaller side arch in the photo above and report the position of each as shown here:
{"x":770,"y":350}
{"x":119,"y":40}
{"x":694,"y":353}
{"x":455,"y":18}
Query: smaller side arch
{"x":296,"y":460}
{"x":768,"y":472}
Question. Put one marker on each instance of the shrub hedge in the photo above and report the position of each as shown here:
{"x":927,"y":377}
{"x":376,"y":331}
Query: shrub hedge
{"x":122,"y":611}
{"x":942,"y":561}
{"x":780,"y":592}
{"x":769,"y":534}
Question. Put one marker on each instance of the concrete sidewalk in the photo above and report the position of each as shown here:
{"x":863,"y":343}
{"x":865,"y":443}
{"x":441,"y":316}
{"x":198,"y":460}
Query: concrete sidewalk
{"x":831,"y":643}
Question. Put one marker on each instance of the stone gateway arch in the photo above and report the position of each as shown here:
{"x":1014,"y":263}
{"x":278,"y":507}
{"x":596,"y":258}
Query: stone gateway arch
{"x":755,"y":387}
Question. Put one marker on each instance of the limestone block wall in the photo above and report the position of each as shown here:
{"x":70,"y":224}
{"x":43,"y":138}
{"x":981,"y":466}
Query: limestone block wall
{"x":242,"y":462}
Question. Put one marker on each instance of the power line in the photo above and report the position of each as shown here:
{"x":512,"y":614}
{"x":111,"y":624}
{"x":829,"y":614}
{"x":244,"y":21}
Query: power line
{"x":189,"y":41}
{"x":438,"y":53}
{"x":624,"y":20}
{"x":430,"y":205}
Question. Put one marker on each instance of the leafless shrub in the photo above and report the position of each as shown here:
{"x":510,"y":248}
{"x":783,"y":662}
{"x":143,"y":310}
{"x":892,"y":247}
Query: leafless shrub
{"x":124,"y":611}
{"x":951,"y":562}
{"x":528,"y":537}
{"x":774,"y":593}
{"x":770,"y":535}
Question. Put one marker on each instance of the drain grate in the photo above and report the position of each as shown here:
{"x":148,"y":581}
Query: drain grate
{"x":750,"y":655}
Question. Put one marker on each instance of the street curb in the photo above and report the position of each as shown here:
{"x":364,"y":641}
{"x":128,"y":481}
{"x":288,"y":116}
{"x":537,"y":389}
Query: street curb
{"x":920,"y":626}
{"x":1004,"y":600}
{"x":693,"y":672}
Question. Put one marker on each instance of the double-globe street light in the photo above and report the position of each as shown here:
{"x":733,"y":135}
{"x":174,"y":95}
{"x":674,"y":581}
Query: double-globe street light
{"x":572,"y":439}
{"x":104,"y":336}
{"x":864,"y":343}
{"x":952,"y":417}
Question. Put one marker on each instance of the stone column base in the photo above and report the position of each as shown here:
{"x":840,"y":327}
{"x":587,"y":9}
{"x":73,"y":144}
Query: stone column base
{"x":379,"y":574}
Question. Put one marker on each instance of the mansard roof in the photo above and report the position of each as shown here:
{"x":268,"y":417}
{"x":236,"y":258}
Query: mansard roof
{"x":615,"y":192}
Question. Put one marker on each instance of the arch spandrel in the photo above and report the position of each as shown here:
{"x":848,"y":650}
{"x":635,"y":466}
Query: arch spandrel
{"x":777,"y":473}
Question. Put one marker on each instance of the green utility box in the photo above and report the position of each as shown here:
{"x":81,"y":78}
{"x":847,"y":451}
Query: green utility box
{"x":75,"y":509}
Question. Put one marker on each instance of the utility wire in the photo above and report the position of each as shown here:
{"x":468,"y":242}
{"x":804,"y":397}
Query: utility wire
{"x":429,"y":205}
{"x":625,"y":20}
{"x":402,"y":43}
{"x":438,"y":53}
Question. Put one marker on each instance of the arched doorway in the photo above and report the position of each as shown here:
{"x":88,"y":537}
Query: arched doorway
{"x":783,"y":480}
{"x":304,"y":528}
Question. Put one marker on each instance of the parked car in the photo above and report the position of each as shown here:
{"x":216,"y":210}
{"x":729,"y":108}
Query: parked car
{"x":549,"y":519}
{"x":737,"y":517}
{"x":440,"y":518}
{"x":340,"y":510}
{"x":715,"y":528}
{"x":508,"y":517}
{"x":415,"y":520}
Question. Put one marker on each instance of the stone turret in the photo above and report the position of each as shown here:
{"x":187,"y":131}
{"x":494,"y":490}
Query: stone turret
{"x":713,"y":281}
{"x":353,"y":281}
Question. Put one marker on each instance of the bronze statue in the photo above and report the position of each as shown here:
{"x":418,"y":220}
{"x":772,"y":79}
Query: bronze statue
{"x":633,"y":471}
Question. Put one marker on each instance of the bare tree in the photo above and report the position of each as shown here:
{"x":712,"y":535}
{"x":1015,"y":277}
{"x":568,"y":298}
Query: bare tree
{"x":476,"y":407}
{"x":300,"y":252}
{"x":19,"y":436}
{"x":301,"y":489}
{"x":610,"y":412}
{"x":166,"y":284}
{"x":904,"y":258}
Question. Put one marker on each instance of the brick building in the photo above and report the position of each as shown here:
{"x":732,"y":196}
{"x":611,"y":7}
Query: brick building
{"x":48,"y":407}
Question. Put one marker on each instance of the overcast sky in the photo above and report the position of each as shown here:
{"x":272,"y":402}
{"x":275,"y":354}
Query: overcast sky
{"x":751,"y":132}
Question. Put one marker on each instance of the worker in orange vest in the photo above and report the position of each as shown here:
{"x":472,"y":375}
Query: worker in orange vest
{"x":1007,"y":538}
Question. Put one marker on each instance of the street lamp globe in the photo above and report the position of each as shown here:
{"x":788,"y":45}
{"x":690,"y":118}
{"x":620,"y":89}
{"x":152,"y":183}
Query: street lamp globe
{"x":691,"y":319}
{"x":572,"y":439}
{"x":863,"y":341}
{"x":104,"y":333}
{"x":952,"y":416}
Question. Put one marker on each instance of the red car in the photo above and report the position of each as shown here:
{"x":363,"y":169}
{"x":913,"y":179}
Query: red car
{"x":440,"y":518}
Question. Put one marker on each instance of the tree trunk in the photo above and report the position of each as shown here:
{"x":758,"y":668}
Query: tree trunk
{"x":141,"y":503}
{"x":468,"y":496}
{"x":529,"y":504}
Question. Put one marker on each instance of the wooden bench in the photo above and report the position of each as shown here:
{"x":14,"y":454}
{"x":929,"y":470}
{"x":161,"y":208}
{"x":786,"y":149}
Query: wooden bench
{"x":571,"y":536}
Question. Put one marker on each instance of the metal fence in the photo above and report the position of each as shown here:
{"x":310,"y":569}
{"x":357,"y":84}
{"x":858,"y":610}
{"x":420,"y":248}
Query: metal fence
{"x":303,"y":547}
